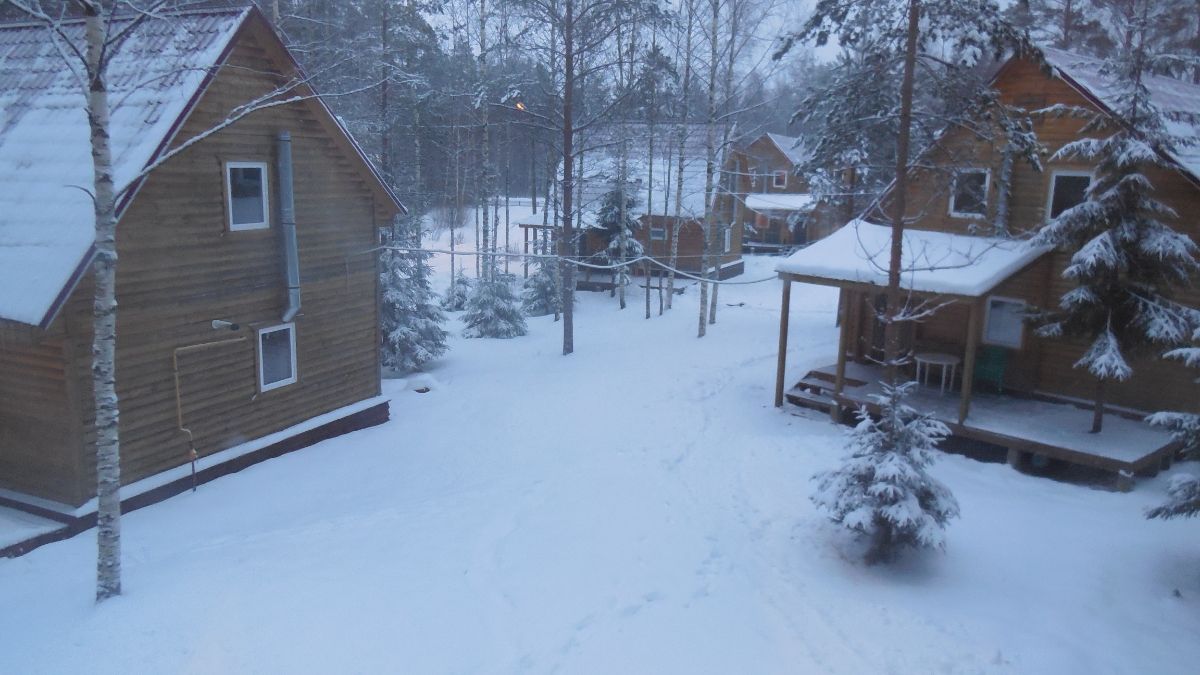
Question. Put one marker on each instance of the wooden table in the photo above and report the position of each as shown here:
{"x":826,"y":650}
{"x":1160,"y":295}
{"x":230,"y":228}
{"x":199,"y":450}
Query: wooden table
{"x":948,"y":362}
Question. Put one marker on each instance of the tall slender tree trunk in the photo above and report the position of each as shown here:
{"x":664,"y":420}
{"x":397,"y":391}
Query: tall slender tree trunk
{"x":710,"y":159}
{"x":735,"y":14}
{"x":104,"y":317}
{"x":385,"y":82}
{"x":891,"y":329}
{"x":1098,"y":407}
{"x":681,"y":138}
{"x":485,"y":147}
{"x":568,"y":183}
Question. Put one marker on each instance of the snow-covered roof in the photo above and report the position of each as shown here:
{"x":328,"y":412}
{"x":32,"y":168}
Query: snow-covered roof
{"x":790,"y":146}
{"x":933,"y":262}
{"x":1169,"y":94}
{"x":778,"y":201}
{"x":46,"y":219}
{"x":655,"y":197}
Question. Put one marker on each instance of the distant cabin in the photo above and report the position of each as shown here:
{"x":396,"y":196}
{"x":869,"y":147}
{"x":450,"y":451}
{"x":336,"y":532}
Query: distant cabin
{"x":1011,"y":388}
{"x":213,"y":352}
{"x":774,"y":200}
{"x":670,"y":200}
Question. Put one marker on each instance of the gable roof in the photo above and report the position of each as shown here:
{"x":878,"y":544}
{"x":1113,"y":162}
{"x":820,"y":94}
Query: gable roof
{"x":1086,"y":75}
{"x":790,"y":146}
{"x":155,"y":80}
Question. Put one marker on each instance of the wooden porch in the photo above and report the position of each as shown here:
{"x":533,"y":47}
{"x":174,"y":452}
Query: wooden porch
{"x":1025,"y":426}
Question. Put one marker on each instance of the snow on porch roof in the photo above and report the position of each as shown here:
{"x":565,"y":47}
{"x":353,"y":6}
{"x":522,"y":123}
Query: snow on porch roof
{"x":46,"y":219}
{"x":776,"y":201}
{"x":934,"y":262}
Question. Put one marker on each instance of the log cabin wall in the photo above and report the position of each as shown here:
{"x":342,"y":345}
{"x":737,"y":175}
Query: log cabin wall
{"x":1047,"y":365}
{"x":181,"y":267}
{"x":691,"y":243}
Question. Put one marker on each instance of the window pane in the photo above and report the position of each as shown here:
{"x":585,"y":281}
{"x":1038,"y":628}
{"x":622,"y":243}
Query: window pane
{"x":658,"y":234}
{"x":1005,"y":321}
{"x":246,"y":195}
{"x":970,"y":194}
{"x":1068,"y":191}
{"x":276,"y":356}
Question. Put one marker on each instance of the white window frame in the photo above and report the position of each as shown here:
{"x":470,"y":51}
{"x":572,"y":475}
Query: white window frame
{"x":658,"y":234}
{"x":987,"y":321}
{"x":291,"y":328}
{"x":987,"y":186}
{"x":265,"y":223}
{"x":775,"y":179}
{"x":1054,"y":174}
{"x":728,"y":240}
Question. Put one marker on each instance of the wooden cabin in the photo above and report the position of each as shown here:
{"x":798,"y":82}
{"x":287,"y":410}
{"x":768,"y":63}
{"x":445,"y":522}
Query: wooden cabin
{"x":217,"y":351}
{"x":654,"y":178}
{"x":773,"y":197}
{"x":1004,"y":385}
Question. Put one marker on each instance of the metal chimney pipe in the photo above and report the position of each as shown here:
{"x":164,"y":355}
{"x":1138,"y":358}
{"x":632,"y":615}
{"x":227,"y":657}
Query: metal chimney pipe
{"x":287,"y":225}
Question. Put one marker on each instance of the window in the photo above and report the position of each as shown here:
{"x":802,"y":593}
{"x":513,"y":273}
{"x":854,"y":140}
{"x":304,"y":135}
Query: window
{"x":1067,"y":189}
{"x":246,"y":190}
{"x":728,"y":240}
{"x":780,"y":179}
{"x":276,"y":356}
{"x":1004,"y":322}
{"x":969,"y":198}
{"x":658,"y":234}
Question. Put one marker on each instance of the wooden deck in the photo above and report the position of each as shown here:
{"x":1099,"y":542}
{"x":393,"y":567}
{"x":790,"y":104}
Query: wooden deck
{"x":1026,"y":426}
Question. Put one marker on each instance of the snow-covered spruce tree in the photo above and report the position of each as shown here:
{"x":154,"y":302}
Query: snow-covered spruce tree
{"x":1125,"y":258}
{"x":493,"y":310}
{"x":613,"y":218}
{"x":410,"y":318}
{"x":882,"y":490}
{"x":541,"y":295}
{"x":455,"y":299}
{"x":1183,"y":494}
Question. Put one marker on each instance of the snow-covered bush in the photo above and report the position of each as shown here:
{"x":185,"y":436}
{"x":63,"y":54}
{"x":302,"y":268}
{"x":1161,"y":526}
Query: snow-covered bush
{"x":493,"y":310}
{"x":541,"y":295}
{"x":410,"y":319}
{"x":455,"y":299}
{"x":1183,"y":498}
{"x":882,"y":490}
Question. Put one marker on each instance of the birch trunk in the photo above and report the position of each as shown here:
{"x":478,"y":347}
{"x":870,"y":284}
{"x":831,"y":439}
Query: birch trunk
{"x":104,"y":320}
{"x":681,"y":136}
{"x":710,"y":155}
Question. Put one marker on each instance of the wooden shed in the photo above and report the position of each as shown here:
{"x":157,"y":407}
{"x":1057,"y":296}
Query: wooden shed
{"x":215,"y":352}
{"x":1015,"y":389}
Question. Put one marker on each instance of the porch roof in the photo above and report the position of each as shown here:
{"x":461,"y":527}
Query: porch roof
{"x":778,"y":201}
{"x":933,"y":262}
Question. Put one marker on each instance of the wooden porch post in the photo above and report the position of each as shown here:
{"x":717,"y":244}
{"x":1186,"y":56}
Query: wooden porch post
{"x":968,"y":376}
{"x":525,"y":237}
{"x":783,"y":336}
{"x":839,"y":380}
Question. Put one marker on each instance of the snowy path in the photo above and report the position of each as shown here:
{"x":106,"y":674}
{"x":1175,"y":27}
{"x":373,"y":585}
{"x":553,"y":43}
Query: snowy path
{"x":638,"y":507}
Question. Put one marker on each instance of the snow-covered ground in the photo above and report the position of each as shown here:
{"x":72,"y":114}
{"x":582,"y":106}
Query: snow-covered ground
{"x":637,"y":507}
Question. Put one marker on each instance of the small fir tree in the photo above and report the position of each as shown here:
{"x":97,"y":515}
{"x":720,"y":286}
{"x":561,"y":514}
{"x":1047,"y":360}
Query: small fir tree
{"x":540,"y":296}
{"x":1125,"y":258}
{"x":613,"y":218}
{"x":1183,"y":494}
{"x":883,"y":490}
{"x":455,"y":299}
{"x":410,"y":319}
{"x":493,"y":311}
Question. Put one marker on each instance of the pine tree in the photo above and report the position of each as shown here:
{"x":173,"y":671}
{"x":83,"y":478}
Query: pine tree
{"x":1125,"y":258}
{"x":541,"y":295}
{"x":883,"y":490}
{"x":455,"y":299}
{"x":410,"y":319}
{"x":493,"y":311}
{"x":613,"y":218}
